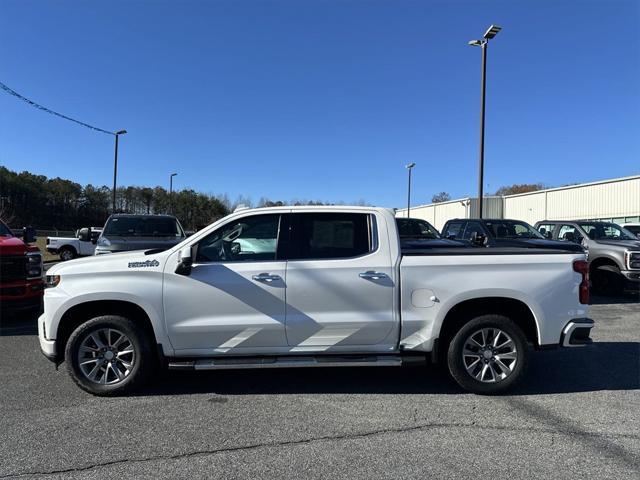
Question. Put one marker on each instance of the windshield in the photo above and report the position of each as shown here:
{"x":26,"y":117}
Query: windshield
{"x":416,"y":228}
{"x":606,"y":231}
{"x":143,"y":227}
{"x":512,"y":229}
{"x":4,"y":231}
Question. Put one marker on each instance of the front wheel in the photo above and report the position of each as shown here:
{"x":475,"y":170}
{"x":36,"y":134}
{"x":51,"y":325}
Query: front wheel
{"x":67,"y":254}
{"x":109,"y":355}
{"x":488,"y":355}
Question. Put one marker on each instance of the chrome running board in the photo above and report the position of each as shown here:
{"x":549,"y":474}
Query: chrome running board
{"x":221,"y":363}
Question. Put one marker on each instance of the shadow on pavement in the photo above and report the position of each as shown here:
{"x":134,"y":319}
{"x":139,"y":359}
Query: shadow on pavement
{"x":601,"y":366}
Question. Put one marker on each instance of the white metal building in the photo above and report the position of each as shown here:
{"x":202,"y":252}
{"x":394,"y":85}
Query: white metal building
{"x":616,"y":200}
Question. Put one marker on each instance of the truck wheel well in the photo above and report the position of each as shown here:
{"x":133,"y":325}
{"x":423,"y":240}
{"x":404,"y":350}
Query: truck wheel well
{"x":78,"y":314}
{"x":68,"y":247}
{"x":601,"y":262}
{"x":465,"y":311}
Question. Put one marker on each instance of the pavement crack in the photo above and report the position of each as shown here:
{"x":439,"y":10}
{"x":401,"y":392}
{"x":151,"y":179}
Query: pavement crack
{"x":346,"y":436}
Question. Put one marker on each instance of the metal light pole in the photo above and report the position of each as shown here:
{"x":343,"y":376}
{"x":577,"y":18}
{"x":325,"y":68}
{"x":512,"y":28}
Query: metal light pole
{"x":491,"y":32}
{"x":409,"y":167}
{"x":115,"y":169}
{"x":171,"y":192}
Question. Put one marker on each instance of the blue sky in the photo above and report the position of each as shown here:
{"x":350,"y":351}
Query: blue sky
{"x":324,"y":100}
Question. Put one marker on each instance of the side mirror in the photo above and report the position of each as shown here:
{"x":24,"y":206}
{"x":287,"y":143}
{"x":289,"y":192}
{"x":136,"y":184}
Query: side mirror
{"x":185,"y":261}
{"x":84,"y":234}
{"x":478,"y":239}
{"x":29,"y":234}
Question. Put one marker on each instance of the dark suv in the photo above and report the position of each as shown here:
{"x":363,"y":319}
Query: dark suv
{"x":614,"y":253}
{"x":502,"y":233}
{"x":416,"y":233}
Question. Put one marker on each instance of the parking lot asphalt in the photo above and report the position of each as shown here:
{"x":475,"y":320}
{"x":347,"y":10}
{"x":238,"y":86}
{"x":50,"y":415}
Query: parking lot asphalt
{"x":576,"y":414}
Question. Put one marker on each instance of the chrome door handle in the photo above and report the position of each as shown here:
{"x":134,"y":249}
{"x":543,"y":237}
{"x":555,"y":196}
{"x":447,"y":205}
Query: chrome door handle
{"x":371,"y":275}
{"x":265,"y":277}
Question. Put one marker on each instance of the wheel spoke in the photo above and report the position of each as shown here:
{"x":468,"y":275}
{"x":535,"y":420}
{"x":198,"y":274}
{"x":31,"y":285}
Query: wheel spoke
{"x":91,"y":360}
{"x":106,"y":356}
{"x":506,"y":370}
{"x":489,"y":355}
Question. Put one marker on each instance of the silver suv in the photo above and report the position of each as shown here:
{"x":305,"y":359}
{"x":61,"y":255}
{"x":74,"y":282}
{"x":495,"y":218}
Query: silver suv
{"x":614,"y":253}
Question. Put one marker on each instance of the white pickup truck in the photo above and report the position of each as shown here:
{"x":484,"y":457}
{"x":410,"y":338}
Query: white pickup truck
{"x":69,"y":248}
{"x":324,"y":286}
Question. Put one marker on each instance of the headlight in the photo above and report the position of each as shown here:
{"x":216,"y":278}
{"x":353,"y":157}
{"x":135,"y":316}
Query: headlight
{"x":34,"y":265}
{"x":632,"y":260}
{"x":103,"y":242}
{"x":52,"y":281}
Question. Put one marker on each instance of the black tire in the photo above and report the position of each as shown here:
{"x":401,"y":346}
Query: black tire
{"x":456,"y":363}
{"x":143,"y":360}
{"x":67,"y":253}
{"x":607,"y":281}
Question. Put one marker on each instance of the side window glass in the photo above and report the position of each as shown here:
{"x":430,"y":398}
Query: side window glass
{"x":246,"y":239}
{"x":569,"y":234}
{"x":453,"y":230}
{"x":546,"y":230}
{"x":330,"y":235}
{"x":472,"y":227}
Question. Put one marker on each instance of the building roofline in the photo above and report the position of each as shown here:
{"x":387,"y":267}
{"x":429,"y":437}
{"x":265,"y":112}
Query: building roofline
{"x":457,"y":200}
{"x":578,"y":185}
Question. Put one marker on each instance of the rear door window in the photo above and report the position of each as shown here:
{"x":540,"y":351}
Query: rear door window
{"x":330,"y":235}
{"x":546,"y":229}
{"x":569,"y":233}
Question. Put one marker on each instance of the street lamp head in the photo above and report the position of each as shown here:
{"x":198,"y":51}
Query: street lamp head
{"x":475,"y":43}
{"x":410,"y":166}
{"x":492,"y":31}
{"x":174,"y":174}
{"x":121,"y":132}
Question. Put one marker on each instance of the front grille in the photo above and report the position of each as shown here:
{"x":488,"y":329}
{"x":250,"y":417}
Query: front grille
{"x":13,"y":267}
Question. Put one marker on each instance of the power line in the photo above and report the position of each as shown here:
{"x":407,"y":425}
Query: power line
{"x":45,"y":109}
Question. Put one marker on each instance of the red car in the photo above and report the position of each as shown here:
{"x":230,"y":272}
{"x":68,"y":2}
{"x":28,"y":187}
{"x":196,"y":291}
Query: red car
{"x":21,"y":284}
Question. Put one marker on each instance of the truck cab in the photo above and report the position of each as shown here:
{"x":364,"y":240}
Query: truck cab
{"x":21,"y":284}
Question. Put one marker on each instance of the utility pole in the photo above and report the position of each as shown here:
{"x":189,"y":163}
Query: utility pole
{"x":115,"y":169}
{"x":409,"y":167}
{"x":491,"y":32}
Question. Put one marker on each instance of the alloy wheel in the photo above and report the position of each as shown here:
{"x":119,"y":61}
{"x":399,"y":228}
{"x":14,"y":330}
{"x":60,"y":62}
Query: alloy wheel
{"x":489,"y":355}
{"x":106,"y":356}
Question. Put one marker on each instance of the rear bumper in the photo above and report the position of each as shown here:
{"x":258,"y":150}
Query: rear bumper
{"x":576,"y":333}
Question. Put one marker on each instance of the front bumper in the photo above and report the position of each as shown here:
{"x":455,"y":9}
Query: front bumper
{"x":576,"y":333}
{"x":631,"y":275}
{"x":47,"y":347}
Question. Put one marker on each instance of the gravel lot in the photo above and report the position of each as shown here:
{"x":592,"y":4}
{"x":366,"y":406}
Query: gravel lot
{"x":577,"y":414}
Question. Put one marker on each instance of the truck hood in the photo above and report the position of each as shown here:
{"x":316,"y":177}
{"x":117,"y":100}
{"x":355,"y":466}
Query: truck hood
{"x":632,"y":244}
{"x":12,"y":246}
{"x":122,"y":244}
{"x":128,"y":261}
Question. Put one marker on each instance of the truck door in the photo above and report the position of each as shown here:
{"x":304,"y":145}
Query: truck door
{"x":340,"y":283}
{"x":233,"y":300}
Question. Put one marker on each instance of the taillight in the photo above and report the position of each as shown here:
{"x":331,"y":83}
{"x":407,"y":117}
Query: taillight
{"x":582,"y":267}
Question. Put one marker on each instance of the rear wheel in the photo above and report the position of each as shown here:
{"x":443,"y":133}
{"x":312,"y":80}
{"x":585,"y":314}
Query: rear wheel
{"x":109,"y":355}
{"x":67,"y":253}
{"x":488,"y":355}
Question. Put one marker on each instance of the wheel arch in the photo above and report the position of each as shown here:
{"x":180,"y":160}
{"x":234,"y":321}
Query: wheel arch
{"x":603,"y":262}
{"x":82,"y":312}
{"x":463,"y":312}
